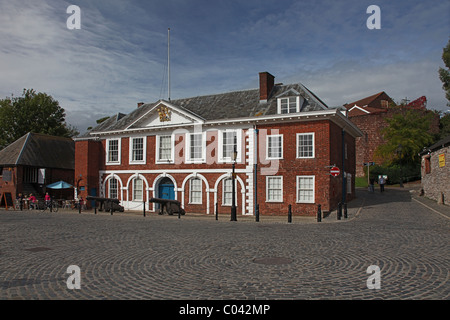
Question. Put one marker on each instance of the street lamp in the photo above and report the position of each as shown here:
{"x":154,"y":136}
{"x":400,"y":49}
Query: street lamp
{"x":233,"y":190}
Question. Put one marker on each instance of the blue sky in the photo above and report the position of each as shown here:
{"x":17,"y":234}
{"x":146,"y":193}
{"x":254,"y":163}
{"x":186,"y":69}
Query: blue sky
{"x":119,"y":55}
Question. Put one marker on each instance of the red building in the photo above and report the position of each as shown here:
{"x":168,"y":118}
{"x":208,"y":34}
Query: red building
{"x":286,"y":140}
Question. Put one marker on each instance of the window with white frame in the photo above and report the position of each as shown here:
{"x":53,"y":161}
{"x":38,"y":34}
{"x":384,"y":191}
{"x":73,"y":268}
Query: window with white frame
{"x":164,"y":149}
{"x":305,"y":145}
{"x":305,"y":189}
{"x":275,"y":146}
{"x":113,"y":151}
{"x":229,"y":143}
{"x":228,"y":191}
{"x":113,"y":188}
{"x":288,"y":105}
{"x":274,"y":189}
{"x":229,"y":139}
{"x":137,"y":189}
{"x":195,"y":191}
{"x":137,"y":150}
{"x":196,"y":146}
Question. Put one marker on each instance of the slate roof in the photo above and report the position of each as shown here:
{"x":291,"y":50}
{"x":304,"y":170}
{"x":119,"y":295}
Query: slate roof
{"x":231,"y":105}
{"x":438,"y":145}
{"x":40,"y":150}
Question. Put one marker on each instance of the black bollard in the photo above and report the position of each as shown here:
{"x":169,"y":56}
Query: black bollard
{"x":95,"y":207}
{"x":217,"y":211}
{"x":339,"y":213}
{"x":143,"y":203}
{"x":79,"y":207}
{"x":345,"y":210}
{"x":289,"y":214}
{"x":319,"y":213}
{"x":257,"y":213}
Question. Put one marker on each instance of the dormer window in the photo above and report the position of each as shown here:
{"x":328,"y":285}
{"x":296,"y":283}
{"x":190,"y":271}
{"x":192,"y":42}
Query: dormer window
{"x":288,"y":105}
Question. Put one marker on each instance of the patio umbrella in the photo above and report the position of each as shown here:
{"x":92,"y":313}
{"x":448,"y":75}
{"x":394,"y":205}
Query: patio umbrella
{"x":59,"y":185}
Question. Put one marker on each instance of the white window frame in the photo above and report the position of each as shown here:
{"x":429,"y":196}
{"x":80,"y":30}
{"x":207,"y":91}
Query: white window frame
{"x":223,"y":191}
{"x":116,"y":188}
{"x":297,"y":104}
{"x":144,"y":150}
{"x":268,"y":178}
{"x":313,"y":145}
{"x":221,"y":158}
{"x":172,"y":151}
{"x":191,"y":201}
{"x":268,"y":137}
{"x":119,"y":153}
{"x":189,"y":159}
{"x":297,"y":189}
{"x":141,"y":189}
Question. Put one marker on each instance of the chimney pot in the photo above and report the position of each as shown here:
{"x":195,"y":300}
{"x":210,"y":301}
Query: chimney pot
{"x":266,"y":83}
{"x":140,"y":104}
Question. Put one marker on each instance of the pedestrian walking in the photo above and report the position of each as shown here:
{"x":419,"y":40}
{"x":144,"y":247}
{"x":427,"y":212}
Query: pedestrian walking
{"x":382,"y":182}
{"x":371,"y":184}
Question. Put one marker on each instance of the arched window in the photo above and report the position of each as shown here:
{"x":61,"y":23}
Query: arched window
{"x":113,"y":188}
{"x":137,"y":189}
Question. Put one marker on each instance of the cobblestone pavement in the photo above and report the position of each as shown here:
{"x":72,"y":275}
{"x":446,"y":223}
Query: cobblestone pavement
{"x":128,"y":256}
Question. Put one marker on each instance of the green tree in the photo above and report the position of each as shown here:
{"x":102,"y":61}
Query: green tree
{"x":32,"y":112}
{"x":444,"y":74}
{"x":405,"y":136}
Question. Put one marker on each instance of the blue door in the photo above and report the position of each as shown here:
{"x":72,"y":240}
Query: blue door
{"x":166,"y":191}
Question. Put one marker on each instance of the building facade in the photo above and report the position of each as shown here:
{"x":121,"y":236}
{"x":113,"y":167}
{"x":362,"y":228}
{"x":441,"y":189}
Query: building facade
{"x":34,"y":161}
{"x":286,"y":139}
{"x":436,"y":171}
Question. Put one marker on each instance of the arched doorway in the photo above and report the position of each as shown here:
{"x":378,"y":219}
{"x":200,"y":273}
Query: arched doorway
{"x":166,"y":189}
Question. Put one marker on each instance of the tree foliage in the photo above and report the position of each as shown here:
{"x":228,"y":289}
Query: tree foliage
{"x":405,"y":136}
{"x":444,"y":74}
{"x":32,"y":112}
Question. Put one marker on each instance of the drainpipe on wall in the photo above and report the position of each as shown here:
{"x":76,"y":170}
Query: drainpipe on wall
{"x":255,"y":170}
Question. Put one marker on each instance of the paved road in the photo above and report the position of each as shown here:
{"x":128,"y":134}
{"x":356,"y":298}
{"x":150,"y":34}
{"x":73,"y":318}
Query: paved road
{"x":161,"y":257}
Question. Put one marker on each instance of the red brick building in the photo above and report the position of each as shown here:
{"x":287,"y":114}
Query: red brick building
{"x":286,"y":139}
{"x":369,"y":115}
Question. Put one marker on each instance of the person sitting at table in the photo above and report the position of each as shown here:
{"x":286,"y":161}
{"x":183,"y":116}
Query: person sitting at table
{"x":32,"y":201}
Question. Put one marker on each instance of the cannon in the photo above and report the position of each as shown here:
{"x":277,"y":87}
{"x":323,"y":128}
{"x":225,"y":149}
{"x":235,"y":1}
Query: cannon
{"x":107,"y":203}
{"x":169,"y":206}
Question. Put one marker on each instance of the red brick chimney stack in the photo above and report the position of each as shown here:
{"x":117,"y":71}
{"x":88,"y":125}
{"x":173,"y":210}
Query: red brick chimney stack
{"x":140,"y":104}
{"x":266,"y":83}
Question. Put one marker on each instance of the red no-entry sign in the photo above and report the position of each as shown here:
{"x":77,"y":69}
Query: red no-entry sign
{"x":335,"y":171}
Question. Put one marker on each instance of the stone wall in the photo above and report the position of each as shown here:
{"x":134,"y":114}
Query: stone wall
{"x":436,"y":178}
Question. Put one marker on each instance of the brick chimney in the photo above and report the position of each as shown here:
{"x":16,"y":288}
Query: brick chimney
{"x":140,"y":104}
{"x":266,"y":82}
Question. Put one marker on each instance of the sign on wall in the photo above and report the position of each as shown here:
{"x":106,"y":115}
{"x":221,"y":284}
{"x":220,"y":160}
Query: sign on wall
{"x":442,"y":160}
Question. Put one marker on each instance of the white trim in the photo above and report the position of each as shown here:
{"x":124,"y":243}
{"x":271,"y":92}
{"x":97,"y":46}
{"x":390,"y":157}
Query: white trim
{"x":267,"y":189}
{"x":117,"y":177}
{"x":220,"y":158}
{"x":313,"y":188}
{"x":172,"y":153}
{"x":267,"y":146}
{"x":297,"y":104}
{"x":184,"y":113}
{"x":188,"y":148}
{"x":119,"y":153}
{"x":144,"y":150}
{"x":190,"y":190}
{"x":355,"y":106}
{"x":313,"y":145}
{"x":333,"y":115}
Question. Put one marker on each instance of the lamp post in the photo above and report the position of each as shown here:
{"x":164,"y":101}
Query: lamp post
{"x":233,"y":188}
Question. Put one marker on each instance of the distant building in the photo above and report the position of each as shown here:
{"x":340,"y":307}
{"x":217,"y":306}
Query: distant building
{"x":34,"y":161}
{"x":436,"y":171}
{"x":370,"y":115}
{"x":286,"y":140}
